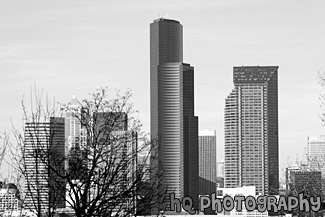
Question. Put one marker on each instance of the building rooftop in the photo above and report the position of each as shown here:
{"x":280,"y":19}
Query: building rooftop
{"x":161,"y":19}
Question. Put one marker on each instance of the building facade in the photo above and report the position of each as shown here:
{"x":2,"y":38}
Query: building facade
{"x":316,"y":153}
{"x":44,"y":148}
{"x":9,"y":197}
{"x":173,"y":123}
{"x":207,"y":162}
{"x":303,"y":180}
{"x":251,"y":130}
{"x":221,"y":168}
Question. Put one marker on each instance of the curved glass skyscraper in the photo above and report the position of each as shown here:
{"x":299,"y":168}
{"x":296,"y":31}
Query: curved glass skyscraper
{"x":173,"y":123}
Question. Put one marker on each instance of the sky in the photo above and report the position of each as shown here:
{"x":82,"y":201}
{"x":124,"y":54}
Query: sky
{"x":73,"y":47}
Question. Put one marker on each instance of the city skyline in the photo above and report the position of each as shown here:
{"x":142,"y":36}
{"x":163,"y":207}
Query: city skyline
{"x":70,"y":51}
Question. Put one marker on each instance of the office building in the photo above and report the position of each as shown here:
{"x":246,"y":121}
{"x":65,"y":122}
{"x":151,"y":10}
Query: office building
{"x":207,"y":162}
{"x":251,"y":130}
{"x":173,"y":123}
{"x":120,"y":145}
{"x":303,"y":180}
{"x":44,"y":148}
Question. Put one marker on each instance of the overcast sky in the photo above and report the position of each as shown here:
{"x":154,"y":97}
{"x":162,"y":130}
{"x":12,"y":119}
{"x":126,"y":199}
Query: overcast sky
{"x":73,"y":47}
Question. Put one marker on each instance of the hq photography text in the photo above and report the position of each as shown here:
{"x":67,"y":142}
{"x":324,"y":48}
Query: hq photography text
{"x":261,"y":203}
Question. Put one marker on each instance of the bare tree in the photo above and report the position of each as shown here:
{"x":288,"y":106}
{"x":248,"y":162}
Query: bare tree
{"x":85,"y":157}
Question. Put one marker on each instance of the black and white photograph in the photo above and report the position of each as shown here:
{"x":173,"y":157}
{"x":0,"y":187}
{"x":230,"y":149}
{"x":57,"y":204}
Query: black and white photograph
{"x":162,"y":108}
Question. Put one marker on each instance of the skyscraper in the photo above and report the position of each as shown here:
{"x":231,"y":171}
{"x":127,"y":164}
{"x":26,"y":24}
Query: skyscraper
{"x":173,"y":123}
{"x":251,"y":130}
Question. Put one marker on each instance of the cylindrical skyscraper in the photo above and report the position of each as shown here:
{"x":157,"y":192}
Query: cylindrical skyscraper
{"x":173,"y":123}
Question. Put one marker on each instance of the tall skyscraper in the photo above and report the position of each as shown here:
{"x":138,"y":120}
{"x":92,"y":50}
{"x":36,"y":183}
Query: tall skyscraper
{"x":173,"y":123}
{"x":251,"y":130}
{"x":207,"y":162}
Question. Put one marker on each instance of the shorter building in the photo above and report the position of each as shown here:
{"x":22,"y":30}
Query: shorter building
{"x":316,"y":155}
{"x":240,"y":191}
{"x":221,"y":168}
{"x":143,"y":166}
{"x":207,"y":162}
{"x":9,"y":195}
{"x":303,"y":180}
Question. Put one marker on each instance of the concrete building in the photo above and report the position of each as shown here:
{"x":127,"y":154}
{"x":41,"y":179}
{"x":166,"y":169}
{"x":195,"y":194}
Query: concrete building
{"x":251,"y":130}
{"x":173,"y":123}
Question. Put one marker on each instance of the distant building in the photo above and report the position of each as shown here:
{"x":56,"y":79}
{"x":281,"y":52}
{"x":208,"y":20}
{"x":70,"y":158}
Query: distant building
{"x":316,"y":155}
{"x":303,"y":180}
{"x":9,"y":195}
{"x":44,"y":147}
{"x":220,"y":182}
{"x":221,"y":168}
{"x":73,"y":124}
{"x":251,"y":130}
{"x":114,"y":137}
{"x":143,"y":165}
{"x":207,"y":161}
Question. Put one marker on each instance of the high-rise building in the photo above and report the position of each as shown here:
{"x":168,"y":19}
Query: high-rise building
{"x":73,"y":130}
{"x":173,"y":123}
{"x":75,"y":139}
{"x":207,"y":162}
{"x":44,"y":148}
{"x":251,"y":130}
